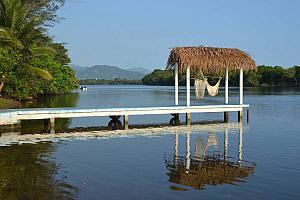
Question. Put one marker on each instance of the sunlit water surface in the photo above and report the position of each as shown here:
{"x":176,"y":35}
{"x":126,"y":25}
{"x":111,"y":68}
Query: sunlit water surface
{"x":259,"y":160}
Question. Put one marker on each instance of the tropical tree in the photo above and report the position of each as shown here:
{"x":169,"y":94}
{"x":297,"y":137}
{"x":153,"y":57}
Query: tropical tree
{"x":23,"y":31}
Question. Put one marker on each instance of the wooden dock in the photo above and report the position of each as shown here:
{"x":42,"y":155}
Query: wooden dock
{"x":14,"y":116}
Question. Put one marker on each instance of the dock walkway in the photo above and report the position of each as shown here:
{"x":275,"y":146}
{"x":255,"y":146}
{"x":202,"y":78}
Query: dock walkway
{"x":13,"y":116}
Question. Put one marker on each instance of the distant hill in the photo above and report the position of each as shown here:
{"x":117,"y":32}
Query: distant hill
{"x":77,"y":68}
{"x":106,"y":72}
{"x":140,"y":69}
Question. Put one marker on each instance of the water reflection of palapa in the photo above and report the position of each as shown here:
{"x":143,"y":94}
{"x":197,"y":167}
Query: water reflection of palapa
{"x":211,"y":169}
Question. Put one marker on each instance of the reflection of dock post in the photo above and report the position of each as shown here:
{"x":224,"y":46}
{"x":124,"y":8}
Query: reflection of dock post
{"x":240,"y":155}
{"x":125,"y":122}
{"x":176,"y":146}
{"x":188,"y":149}
{"x":226,"y":143}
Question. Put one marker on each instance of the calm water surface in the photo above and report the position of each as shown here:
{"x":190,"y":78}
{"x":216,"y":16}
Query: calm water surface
{"x":260,"y":160}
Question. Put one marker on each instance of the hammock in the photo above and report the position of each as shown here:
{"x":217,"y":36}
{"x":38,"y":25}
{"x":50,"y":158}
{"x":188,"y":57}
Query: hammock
{"x":200,"y":86}
{"x":213,"y":90}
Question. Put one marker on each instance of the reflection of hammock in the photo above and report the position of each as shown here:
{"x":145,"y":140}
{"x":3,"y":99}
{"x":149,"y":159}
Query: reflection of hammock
{"x":201,"y":83}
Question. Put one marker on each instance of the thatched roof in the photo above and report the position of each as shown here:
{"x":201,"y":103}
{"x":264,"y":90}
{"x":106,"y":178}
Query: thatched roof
{"x":210,"y":171}
{"x":210,"y":59}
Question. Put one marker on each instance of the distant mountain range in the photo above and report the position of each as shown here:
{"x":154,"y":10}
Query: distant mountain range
{"x":109,"y":72}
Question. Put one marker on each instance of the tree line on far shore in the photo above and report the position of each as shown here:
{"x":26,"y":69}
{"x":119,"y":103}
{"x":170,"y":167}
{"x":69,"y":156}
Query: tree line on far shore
{"x":267,"y":76}
{"x":116,"y":81}
{"x":31,"y":63}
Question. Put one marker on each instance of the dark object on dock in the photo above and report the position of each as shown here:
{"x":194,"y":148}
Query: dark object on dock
{"x":114,"y":123}
{"x":175,"y":121}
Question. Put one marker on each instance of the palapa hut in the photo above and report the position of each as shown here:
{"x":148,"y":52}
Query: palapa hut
{"x":209,"y":60}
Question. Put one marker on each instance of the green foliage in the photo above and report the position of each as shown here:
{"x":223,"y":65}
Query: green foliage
{"x":159,"y":77}
{"x":30,"y":62}
{"x":264,"y":76}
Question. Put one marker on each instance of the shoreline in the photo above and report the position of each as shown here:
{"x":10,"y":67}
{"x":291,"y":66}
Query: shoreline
{"x":9,"y":103}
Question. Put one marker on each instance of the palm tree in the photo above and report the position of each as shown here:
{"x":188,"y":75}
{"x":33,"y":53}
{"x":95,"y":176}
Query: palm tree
{"x":25,"y":34}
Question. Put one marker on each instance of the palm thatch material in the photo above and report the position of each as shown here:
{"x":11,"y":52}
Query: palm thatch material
{"x":210,"y":60}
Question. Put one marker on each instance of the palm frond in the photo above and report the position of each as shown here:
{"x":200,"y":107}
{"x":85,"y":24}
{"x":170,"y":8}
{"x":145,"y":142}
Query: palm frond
{"x":6,"y":38}
{"x":42,"y":51}
{"x":37,"y":71}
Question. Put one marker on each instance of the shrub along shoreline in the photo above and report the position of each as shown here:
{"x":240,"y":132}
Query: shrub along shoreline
{"x":9,"y":103}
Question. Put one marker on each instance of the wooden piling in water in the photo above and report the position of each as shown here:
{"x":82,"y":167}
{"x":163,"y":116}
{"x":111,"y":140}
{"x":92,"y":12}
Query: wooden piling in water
{"x":188,"y":118}
{"x":125,"y":122}
{"x":226,"y":116}
{"x":52,"y":125}
{"x":248,"y":116}
{"x":240,"y":116}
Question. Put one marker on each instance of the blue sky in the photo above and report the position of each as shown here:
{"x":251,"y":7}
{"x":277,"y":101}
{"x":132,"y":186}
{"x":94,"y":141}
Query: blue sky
{"x":139,"y":33}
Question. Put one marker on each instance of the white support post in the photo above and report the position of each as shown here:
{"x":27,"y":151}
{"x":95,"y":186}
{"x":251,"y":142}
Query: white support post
{"x":188,"y":86}
{"x":226,"y":87}
{"x":176,"y":84}
{"x":241,"y":86}
{"x":240,"y":114}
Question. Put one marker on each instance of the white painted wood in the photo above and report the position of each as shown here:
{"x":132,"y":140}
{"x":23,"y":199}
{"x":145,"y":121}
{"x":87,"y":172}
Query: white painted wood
{"x":241,"y":86}
{"x":176,"y":85}
{"x":226,"y":86}
{"x":125,"y":122}
{"x":188,"y":86}
{"x":72,"y":113}
{"x":13,"y":116}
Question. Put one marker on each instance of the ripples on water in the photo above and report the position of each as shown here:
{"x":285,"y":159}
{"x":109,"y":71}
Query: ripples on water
{"x":215,"y":160}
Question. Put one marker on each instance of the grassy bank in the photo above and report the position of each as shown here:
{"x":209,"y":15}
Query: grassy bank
{"x":9,"y":103}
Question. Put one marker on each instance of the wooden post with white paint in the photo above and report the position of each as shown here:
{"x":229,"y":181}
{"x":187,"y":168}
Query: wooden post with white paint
{"x":188,"y":93}
{"x":226,"y":114}
{"x":52,"y":125}
{"x":240,"y":113}
{"x":125,"y":122}
{"x":176,"y":85}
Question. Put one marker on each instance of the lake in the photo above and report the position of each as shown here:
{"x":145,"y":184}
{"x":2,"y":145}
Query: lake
{"x":207,"y":160}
